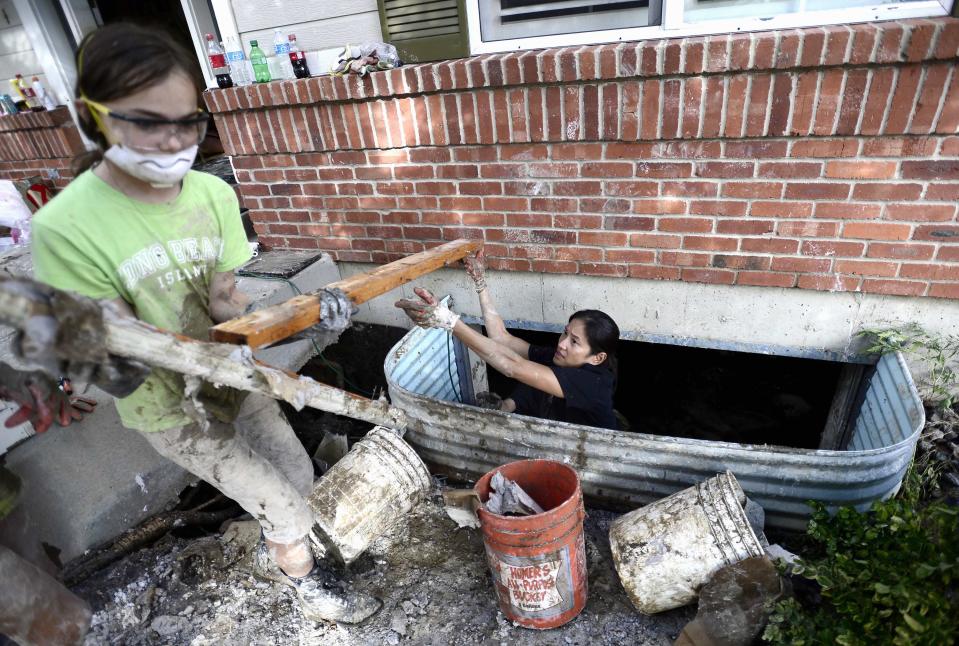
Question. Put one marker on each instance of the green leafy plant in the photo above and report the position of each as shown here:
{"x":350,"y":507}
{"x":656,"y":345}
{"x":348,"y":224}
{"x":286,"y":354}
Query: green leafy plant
{"x":887,"y":576}
{"x":939,"y":352}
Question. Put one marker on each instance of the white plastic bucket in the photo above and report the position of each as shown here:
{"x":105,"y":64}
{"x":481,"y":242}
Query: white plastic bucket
{"x":369,"y":489}
{"x":664,"y":552}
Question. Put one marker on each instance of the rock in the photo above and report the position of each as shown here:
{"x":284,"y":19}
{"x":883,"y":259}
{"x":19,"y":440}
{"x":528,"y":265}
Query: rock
{"x":398,"y":621}
{"x":392,"y":639}
{"x":732,"y":605}
{"x":168,"y":625}
{"x":778,"y":553}
{"x":409,"y":607}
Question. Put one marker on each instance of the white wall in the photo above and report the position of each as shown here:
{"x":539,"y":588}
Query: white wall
{"x":16,"y":52}
{"x":317,"y":25}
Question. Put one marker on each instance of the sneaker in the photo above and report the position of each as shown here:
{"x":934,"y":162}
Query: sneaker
{"x":320,"y":600}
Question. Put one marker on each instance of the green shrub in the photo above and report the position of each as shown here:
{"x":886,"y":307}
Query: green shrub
{"x":888,"y":576}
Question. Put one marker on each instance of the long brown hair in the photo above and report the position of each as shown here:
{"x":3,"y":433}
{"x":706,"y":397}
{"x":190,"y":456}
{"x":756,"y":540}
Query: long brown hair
{"x":121,"y":59}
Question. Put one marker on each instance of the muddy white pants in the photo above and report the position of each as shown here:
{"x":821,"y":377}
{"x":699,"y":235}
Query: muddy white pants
{"x":257,"y":461}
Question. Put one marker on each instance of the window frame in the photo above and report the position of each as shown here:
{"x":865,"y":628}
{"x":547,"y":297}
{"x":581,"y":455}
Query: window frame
{"x":673,"y":25}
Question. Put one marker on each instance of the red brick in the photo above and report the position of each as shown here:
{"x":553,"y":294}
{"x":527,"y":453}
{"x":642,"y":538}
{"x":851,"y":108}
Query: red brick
{"x":577,"y":188}
{"x":436,"y":188}
{"x":949,"y":117}
{"x":948,"y":254}
{"x":937,"y":233}
{"x":717,"y":53}
{"x":824,"y":148}
{"x":710,"y":243}
{"x":781,"y":209}
{"x":906,"y":251}
{"x":684,"y":258}
{"x":861,"y":169}
{"x":781,"y":101}
{"x":756,"y":149}
{"x":631,"y":110}
{"x":604,"y":238}
{"x":589,"y":128}
{"x":866,"y":268}
{"x":729,"y":261}
{"x":801,"y":265}
{"x":756,"y":105}
{"x":837,"y":43}
{"x":578,"y":221}
{"x":921,"y":212}
{"x":807,"y":229}
{"x":830,"y":88}
{"x":880,"y":88}
{"x":939,"y":290}
{"x":505,"y":203}
{"x":577,"y":152}
{"x":724,"y":170}
{"x":672,"y":108}
{"x":930,"y":169}
{"x":714,"y":276}
{"x":630,"y":255}
{"x":554,"y":266}
{"x":829,"y":283}
{"x":864,"y":42}
{"x":712,"y":120}
{"x":501,"y":116}
{"x":876,"y":231}
{"x":480,"y":188}
{"x":583,"y":254}
{"x":848,"y":210}
{"x":831,"y":248}
{"x":748,"y":226}
{"x":788,"y":54}
{"x":403,"y":172}
{"x":927,"y":105}
{"x":632,"y":189}
{"x":691,"y":110}
{"x":736,"y":103}
{"x":789,"y":169}
{"x":552,"y":170}
{"x":651,"y":272}
{"x":930,"y":272}
{"x":903,"y":98}
{"x":941,"y":192}
{"x":769,"y":245}
{"x":899,"y":147}
{"x":524,"y":152}
{"x":663,"y":169}
{"x":886,"y":192}
{"x":486,"y":133}
{"x":649,"y":122}
{"x":804,"y":105}
{"x":689,"y":189}
{"x":893,"y":287}
{"x":718,"y":207}
{"x":611,"y":111}
{"x":685,"y":225}
{"x":890,"y":43}
{"x":655,"y":241}
{"x":752,"y":189}
{"x":765,"y":279}
{"x":816,"y":191}
{"x":659,"y":207}
{"x":604,"y":205}
{"x":607,"y":169}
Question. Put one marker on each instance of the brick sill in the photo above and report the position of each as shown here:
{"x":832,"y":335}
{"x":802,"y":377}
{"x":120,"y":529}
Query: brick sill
{"x":34,"y":120}
{"x":884,"y":43}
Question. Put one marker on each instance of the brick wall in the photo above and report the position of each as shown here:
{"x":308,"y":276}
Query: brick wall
{"x":820,"y":158}
{"x":36,"y":143}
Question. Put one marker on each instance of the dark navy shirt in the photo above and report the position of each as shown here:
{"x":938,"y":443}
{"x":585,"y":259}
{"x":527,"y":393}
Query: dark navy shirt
{"x":587,"y":393}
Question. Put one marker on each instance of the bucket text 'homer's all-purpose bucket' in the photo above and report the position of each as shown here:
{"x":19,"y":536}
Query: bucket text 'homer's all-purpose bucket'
{"x":665,"y":552}
{"x":538,"y":562}
{"x":372,"y":487}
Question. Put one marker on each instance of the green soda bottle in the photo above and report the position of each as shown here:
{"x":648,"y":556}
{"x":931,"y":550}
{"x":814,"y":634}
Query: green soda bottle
{"x":261,"y":69}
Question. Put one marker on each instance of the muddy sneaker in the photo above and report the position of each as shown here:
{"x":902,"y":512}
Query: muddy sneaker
{"x":323,"y":602}
{"x":265,"y":568}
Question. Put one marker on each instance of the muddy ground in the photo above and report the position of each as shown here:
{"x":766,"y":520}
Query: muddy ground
{"x":431,"y":576}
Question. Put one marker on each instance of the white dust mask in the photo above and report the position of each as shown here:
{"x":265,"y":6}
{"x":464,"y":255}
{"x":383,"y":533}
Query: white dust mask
{"x":160,"y":169}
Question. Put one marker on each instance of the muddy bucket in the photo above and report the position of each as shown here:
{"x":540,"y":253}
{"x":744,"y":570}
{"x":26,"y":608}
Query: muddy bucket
{"x":664,"y":552}
{"x":368,"y":490}
{"x":538,"y":562}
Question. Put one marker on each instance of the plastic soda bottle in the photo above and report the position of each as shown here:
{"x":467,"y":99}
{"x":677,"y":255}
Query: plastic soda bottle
{"x":237,"y":61}
{"x":42,"y":95}
{"x":218,"y":62}
{"x":26,"y":93}
{"x":298,"y":60}
{"x":261,"y":69}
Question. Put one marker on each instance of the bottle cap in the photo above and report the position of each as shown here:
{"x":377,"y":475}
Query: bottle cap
{"x":253,"y":43}
{"x":209,"y":36}
{"x":291,"y":37}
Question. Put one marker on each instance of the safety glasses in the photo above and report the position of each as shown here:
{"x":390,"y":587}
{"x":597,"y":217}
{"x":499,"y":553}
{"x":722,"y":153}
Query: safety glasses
{"x":150,"y":132}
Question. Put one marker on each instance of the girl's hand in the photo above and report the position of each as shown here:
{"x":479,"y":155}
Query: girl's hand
{"x":476,"y":269}
{"x":428,"y":312}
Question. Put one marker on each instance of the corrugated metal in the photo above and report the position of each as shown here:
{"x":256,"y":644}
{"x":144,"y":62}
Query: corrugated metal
{"x":631,"y":469}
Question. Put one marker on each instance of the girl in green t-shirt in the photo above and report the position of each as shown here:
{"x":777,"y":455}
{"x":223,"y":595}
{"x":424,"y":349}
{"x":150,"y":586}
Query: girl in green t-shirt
{"x":139,"y":228}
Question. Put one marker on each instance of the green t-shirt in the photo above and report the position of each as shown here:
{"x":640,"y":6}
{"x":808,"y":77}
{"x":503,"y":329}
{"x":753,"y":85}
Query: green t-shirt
{"x":159,"y":258}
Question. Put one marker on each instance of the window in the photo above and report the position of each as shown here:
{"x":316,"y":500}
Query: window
{"x":504,"y":25}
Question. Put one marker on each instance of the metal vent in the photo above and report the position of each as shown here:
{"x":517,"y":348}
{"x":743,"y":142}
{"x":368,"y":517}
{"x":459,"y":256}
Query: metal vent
{"x":425,"y":31}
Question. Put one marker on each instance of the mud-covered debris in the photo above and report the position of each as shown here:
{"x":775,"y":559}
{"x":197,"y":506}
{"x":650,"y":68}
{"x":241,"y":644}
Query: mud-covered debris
{"x":168,"y":625}
{"x":508,"y":498}
{"x":461,"y":505}
{"x":733,"y":605}
{"x":779,"y":553}
{"x":398,"y":621}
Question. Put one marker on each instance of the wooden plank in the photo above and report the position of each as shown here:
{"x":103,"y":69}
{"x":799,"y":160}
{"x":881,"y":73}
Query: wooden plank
{"x":288,"y":15}
{"x":835,"y":435}
{"x":276,"y":323}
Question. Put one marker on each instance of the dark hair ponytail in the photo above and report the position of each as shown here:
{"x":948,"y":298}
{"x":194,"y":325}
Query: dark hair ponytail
{"x":602,"y":334}
{"x":121,"y":59}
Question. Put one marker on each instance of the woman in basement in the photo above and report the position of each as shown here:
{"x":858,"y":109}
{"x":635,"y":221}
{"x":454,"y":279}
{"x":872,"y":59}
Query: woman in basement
{"x":138,"y":228}
{"x":571,"y":382}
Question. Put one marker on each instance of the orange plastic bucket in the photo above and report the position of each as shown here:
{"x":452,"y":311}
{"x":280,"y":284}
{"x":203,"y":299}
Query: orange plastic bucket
{"x":538,"y":562}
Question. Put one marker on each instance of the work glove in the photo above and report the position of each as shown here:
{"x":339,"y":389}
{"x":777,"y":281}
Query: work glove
{"x":336,"y":309}
{"x":476,"y":269}
{"x":41,"y":399}
{"x":489,"y":400}
{"x":428,"y":312}
{"x":67,"y":336}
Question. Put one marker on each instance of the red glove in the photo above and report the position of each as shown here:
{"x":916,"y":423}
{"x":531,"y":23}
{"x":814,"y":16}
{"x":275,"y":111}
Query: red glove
{"x":41,"y":401}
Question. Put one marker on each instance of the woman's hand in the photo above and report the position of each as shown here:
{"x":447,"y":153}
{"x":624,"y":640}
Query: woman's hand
{"x":428,"y":312}
{"x":476,"y":269}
